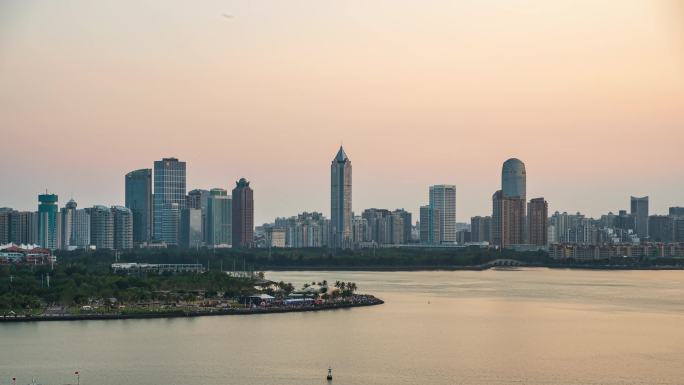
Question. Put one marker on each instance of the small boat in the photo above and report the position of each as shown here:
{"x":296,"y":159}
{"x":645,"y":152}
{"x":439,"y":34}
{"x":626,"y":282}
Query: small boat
{"x":329,"y":374}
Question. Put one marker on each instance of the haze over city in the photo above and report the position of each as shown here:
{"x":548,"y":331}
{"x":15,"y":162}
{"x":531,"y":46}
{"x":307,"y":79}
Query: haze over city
{"x":587,"y":94}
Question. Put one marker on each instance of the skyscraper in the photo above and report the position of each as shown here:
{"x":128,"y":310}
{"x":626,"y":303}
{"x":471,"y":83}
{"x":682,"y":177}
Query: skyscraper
{"x":101,"y":227}
{"x":219,"y":218}
{"x":47,"y":221}
{"x":443,"y":199}
{"x":341,"y":200}
{"x":243,"y":214}
{"x":199,"y":199}
{"x":639,"y":210}
{"x":139,"y":201}
{"x":429,"y":225}
{"x":169,"y":198}
{"x":538,"y":213}
{"x":508,"y":205}
{"x":123,"y":227}
{"x":514,"y":179}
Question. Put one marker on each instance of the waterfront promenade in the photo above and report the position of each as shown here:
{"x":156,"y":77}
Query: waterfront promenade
{"x":357,"y":300}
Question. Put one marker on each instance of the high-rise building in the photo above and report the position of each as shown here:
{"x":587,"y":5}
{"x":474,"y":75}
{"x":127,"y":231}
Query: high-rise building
{"x":679,"y":229}
{"x":23,"y":227}
{"x":538,"y":213}
{"x":199,"y":199}
{"x":661,"y":228}
{"x":169,"y":198}
{"x":139,"y":201}
{"x":48,"y":223}
{"x":243,"y":214}
{"x":481,"y":229}
{"x":514,"y":179}
{"x":170,"y":224}
{"x":508,"y":220}
{"x":386,"y":227}
{"x":219,"y":218}
{"x":508,"y":211}
{"x":341,"y":200}
{"x":5,"y":225}
{"x":429,"y":225}
{"x":443,"y":200}
{"x":639,"y":210}
{"x":101,"y":227}
{"x":191,"y":228}
{"x":407,"y":220}
{"x":676,"y":212}
{"x":123,"y":227}
{"x":75,"y":227}
{"x":305,"y":230}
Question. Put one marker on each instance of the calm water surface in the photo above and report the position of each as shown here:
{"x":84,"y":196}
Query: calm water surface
{"x":528,"y":326}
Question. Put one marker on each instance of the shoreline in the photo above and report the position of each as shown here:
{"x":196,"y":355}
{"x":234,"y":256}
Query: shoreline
{"x":192,"y":314}
{"x":463,"y":268}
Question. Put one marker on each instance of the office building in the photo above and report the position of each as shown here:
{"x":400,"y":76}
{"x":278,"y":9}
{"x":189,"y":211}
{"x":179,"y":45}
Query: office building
{"x":341,"y":200}
{"x":169,"y":194}
{"x":48,"y":223}
{"x":243,"y":214}
{"x":191,"y":228}
{"x":139,"y":201}
{"x":219,"y":218}
{"x":639,"y":210}
{"x":443,"y":201}
{"x":509,"y":205}
{"x":75,"y":228}
{"x":429,"y":225}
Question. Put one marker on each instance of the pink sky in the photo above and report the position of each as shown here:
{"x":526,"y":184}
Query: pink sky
{"x":589,"y":94}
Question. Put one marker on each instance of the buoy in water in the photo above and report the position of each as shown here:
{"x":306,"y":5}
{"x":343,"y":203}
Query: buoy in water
{"x":329,"y":374}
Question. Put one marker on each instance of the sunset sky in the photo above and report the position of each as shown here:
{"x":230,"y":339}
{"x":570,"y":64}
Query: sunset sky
{"x":589,"y":94}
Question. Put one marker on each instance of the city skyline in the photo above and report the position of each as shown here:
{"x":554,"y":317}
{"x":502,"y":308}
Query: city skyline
{"x":543,"y":81}
{"x":414,"y":207}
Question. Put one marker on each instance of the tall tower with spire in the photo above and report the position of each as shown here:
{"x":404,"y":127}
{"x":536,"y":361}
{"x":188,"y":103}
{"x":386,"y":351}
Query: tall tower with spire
{"x":341,"y":200}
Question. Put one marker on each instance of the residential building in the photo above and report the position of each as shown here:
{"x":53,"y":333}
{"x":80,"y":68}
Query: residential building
{"x":537,"y":211}
{"x":101,"y":227}
{"x":123,"y":227}
{"x":481,"y":229}
{"x":443,"y":201}
{"x":661,"y":228}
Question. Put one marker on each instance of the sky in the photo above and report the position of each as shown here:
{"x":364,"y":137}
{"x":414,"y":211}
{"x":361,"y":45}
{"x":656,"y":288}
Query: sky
{"x":589,"y":94}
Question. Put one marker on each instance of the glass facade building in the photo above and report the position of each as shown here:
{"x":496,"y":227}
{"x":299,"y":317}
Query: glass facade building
{"x":219,"y":218}
{"x":139,"y":201}
{"x":169,"y":198}
{"x":47,"y":221}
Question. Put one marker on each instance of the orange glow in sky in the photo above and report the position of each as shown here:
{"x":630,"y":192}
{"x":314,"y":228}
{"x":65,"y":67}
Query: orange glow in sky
{"x":589,"y":94}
